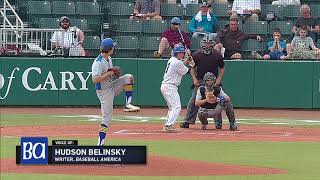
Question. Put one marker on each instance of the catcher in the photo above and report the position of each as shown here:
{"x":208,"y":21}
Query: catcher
{"x":109,"y":83}
{"x":212,"y":101}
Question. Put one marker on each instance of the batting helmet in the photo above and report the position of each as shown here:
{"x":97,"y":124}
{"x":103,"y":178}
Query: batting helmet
{"x":178,"y":48}
{"x":64,"y":18}
{"x":207,"y":43}
{"x":209,"y":76}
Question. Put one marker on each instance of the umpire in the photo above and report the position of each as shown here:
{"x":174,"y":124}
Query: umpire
{"x":206,"y":60}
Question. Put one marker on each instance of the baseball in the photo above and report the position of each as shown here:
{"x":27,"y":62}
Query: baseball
{"x":1,"y":81}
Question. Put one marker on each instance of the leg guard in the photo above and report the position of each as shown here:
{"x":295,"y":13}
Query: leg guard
{"x":203,"y":117}
{"x":228,"y":107}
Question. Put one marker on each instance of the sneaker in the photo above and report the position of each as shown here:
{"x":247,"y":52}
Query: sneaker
{"x":203,"y":127}
{"x":184,"y":125}
{"x":170,"y":129}
{"x":234,"y":128}
{"x":131,"y":108}
{"x":156,"y":54}
{"x":256,"y":55}
{"x":218,"y":127}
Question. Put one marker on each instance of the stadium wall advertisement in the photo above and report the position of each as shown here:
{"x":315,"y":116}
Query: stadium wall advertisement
{"x":67,"y":81}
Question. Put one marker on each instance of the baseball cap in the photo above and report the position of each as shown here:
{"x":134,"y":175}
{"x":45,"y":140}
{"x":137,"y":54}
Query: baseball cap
{"x":205,"y":4}
{"x":107,"y":44}
{"x":175,"y":20}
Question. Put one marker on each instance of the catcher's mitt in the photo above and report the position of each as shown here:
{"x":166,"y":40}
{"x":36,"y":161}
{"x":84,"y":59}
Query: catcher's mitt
{"x":210,"y":97}
{"x":116,"y":71}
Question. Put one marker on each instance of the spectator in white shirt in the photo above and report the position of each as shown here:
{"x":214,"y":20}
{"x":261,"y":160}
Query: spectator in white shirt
{"x":69,"y":38}
{"x":246,"y":10}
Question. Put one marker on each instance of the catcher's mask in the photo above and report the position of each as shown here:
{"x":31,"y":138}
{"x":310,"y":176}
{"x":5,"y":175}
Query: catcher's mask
{"x":207,"y":43}
{"x":209,"y":76}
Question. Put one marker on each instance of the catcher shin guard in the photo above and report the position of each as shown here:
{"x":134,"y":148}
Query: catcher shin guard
{"x":203,"y":117}
{"x":230,"y":112}
{"x":102,"y":134}
{"x":129,"y":90}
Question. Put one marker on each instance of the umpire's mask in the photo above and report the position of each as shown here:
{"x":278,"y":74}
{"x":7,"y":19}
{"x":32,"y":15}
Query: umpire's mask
{"x":207,"y":43}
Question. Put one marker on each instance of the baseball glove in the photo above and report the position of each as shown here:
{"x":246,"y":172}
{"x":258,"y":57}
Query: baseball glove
{"x":210,"y":97}
{"x":116,"y":71}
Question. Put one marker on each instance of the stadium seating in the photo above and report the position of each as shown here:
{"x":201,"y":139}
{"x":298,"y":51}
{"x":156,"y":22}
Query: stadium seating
{"x":127,"y":46}
{"x":149,"y":44}
{"x":91,"y":12}
{"x":185,"y":25}
{"x":37,"y":10}
{"x":128,"y":27}
{"x":192,"y":10}
{"x":291,"y":12}
{"x":49,"y":23}
{"x":315,"y":10}
{"x":63,"y":8}
{"x":167,"y":11}
{"x":154,"y":27}
{"x":259,"y":27}
{"x":284,"y":26}
{"x":92,"y":44}
{"x":278,"y":10}
{"x":253,"y":45}
{"x":195,"y":43}
{"x":221,"y":10}
{"x":120,"y":10}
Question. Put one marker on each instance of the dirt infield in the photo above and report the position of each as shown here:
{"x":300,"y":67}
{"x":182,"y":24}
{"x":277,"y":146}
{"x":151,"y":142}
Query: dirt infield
{"x":158,"y":165}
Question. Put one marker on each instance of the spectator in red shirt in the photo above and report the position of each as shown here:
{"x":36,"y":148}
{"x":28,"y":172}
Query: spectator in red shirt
{"x":170,"y":37}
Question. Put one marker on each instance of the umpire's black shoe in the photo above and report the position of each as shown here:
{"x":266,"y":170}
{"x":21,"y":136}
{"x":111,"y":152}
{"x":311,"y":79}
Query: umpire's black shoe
{"x":184,"y":125}
{"x":234,"y":128}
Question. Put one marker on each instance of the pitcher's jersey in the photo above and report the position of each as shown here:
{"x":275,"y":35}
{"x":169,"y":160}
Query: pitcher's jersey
{"x":99,"y":66}
{"x":174,"y":71}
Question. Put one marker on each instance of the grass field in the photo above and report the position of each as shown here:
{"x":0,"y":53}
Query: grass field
{"x":299,"y":158}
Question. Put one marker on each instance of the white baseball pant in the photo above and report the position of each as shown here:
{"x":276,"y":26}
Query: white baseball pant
{"x":171,"y":95}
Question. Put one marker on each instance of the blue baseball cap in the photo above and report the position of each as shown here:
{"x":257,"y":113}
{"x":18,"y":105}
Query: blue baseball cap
{"x":175,"y":20}
{"x":107,"y":44}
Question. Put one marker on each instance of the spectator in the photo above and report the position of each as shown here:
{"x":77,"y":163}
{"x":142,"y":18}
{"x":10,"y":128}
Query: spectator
{"x":276,"y":47}
{"x":218,"y":2}
{"x":68,"y":41}
{"x":312,"y":23}
{"x":286,"y":2}
{"x":170,"y":37}
{"x":146,"y":10}
{"x":185,"y":2}
{"x":247,"y":10}
{"x":230,"y":39}
{"x":203,"y":22}
{"x":302,"y":47}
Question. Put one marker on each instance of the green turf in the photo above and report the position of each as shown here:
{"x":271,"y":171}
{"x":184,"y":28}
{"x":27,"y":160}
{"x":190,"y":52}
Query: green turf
{"x":300,"y":159}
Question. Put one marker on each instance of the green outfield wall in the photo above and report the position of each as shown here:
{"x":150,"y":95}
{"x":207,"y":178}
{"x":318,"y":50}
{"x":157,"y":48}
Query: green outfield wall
{"x":67,"y":81}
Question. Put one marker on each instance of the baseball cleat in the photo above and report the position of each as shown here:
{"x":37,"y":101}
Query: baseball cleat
{"x":218,"y":127}
{"x":234,"y":128}
{"x":184,"y":125}
{"x":170,"y":129}
{"x":131,"y":108}
{"x":203,"y":127}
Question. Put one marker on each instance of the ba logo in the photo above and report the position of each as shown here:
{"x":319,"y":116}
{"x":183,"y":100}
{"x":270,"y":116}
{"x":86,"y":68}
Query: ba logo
{"x":34,"y":150}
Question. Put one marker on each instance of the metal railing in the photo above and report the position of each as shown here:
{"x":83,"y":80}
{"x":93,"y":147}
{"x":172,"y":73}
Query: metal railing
{"x":28,"y":40}
{"x":7,"y":7}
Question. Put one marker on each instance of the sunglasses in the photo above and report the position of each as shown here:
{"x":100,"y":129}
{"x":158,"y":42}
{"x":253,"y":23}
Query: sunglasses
{"x":175,"y":24}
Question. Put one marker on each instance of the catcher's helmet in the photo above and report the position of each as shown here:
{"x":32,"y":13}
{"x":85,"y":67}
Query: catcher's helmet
{"x":207,"y":43}
{"x":178,"y":48}
{"x":64,"y":18}
{"x":209,"y":76}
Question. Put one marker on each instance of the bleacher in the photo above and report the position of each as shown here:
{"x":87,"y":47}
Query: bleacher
{"x":110,"y":18}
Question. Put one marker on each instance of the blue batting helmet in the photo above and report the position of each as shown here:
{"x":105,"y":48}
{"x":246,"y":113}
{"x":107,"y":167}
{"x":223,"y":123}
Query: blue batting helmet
{"x":178,"y":48}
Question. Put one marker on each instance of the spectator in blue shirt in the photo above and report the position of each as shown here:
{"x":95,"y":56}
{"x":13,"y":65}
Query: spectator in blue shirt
{"x":203,"y":22}
{"x":276,"y":47}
